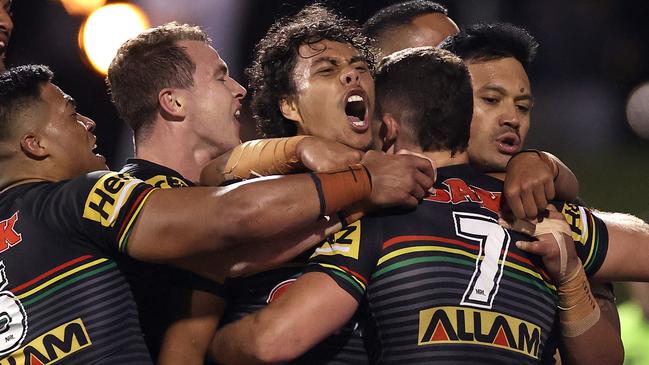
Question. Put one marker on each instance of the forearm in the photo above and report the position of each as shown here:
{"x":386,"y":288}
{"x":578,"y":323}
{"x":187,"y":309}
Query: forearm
{"x":187,"y":340}
{"x":261,"y":157}
{"x":590,"y":326}
{"x":253,"y":258}
{"x":240,"y":343}
{"x":311,"y":309}
{"x":628,"y":248}
{"x":601,"y":344}
{"x":566,"y":185}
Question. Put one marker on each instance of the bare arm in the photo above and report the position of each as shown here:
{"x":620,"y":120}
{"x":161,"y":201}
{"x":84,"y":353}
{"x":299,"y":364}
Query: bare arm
{"x":533,"y":179}
{"x":627,"y":255}
{"x":214,"y":219}
{"x":211,"y":220}
{"x":311,"y":309}
{"x":186,"y":341}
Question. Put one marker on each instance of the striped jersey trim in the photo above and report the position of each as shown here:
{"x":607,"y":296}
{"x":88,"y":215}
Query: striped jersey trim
{"x":57,"y":279}
{"x":453,"y":251}
{"x":133,"y":214}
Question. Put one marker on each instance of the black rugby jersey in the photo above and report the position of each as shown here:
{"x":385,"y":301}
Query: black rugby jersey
{"x":248,"y":294}
{"x":447,"y":285}
{"x":161,"y":291}
{"x":63,"y":298}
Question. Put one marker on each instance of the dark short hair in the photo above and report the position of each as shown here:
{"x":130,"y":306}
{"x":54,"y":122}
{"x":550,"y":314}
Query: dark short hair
{"x":399,"y":14}
{"x":20,"y":88}
{"x":146,"y":64}
{"x":429,"y":91}
{"x":492,"y":41}
{"x":271,"y":72}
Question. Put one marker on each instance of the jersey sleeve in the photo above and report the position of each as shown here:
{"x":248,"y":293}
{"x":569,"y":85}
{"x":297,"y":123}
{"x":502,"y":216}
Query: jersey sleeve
{"x":101,"y":207}
{"x":589,"y":233}
{"x":349,"y":256}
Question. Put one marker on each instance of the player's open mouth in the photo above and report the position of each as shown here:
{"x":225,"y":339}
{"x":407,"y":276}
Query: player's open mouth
{"x":356,"y":108}
{"x":509,"y":143}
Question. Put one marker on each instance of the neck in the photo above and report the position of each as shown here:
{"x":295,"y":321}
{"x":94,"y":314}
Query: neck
{"x":23,"y":173}
{"x":441,"y":158}
{"x":176,"y":149}
{"x":444,"y":158}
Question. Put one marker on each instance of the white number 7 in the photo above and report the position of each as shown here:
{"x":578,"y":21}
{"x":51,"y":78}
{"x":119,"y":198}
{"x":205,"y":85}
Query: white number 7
{"x":490,"y":263}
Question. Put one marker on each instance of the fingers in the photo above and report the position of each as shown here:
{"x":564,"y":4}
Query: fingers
{"x":516,"y":206}
{"x":537,"y":247}
{"x":550,"y":193}
{"x":540,"y":200}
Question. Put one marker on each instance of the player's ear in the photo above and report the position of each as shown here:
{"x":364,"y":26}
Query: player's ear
{"x":389,"y":130}
{"x":288,"y":107}
{"x":33,"y":146}
{"x":172,"y":104}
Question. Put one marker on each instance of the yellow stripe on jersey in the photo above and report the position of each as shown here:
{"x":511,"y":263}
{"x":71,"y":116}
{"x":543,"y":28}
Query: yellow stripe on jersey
{"x":61,"y":277}
{"x":455,"y":251}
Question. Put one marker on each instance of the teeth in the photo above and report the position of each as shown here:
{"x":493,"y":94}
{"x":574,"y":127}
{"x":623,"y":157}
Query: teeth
{"x":354,"y":98}
{"x":360,"y":123}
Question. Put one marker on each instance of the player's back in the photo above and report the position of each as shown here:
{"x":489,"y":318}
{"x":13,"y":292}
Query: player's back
{"x":62,"y":297}
{"x":445,"y":283}
{"x":450,"y":285}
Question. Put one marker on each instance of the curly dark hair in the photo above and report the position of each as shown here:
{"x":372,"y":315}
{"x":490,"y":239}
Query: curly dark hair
{"x":493,"y":41}
{"x":271,"y":72}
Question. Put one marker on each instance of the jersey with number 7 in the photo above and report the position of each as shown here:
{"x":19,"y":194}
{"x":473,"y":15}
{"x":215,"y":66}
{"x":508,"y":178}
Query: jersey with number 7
{"x":447,"y":284}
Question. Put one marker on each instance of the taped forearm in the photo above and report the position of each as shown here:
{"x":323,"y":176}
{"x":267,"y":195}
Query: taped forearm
{"x":263,"y":157}
{"x":341,"y":189}
{"x":577,"y":305}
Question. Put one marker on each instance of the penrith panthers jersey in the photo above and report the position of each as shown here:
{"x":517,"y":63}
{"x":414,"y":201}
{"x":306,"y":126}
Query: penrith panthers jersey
{"x":446,"y":284}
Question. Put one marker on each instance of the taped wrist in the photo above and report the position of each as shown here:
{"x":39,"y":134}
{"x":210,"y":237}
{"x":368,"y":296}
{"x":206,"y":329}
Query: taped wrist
{"x":337,"y":190}
{"x":578,"y":309}
{"x":262,"y":157}
{"x":552,"y":164}
{"x":558,"y":228}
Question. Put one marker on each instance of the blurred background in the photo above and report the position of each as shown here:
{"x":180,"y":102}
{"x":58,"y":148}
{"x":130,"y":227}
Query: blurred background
{"x":592,"y":55}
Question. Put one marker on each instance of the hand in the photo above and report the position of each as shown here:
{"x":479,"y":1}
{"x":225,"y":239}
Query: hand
{"x":398,"y":179}
{"x":320,"y":155}
{"x":554,"y":244}
{"x":529,"y":184}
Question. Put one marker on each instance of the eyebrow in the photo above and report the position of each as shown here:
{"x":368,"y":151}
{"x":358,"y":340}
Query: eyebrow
{"x":221,"y":70}
{"x":70,"y":101}
{"x":336,"y":60}
{"x":501,"y":90}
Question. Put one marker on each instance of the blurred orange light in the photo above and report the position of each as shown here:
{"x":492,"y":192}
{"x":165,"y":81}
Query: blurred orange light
{"x":106,"y":29}
{"x":82,"y":7}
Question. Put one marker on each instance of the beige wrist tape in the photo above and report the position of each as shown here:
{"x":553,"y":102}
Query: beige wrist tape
{"x":341,"y":189}
{"x":262,"y":157}
{"x":578,"y":309}
{"x":557,"y":227}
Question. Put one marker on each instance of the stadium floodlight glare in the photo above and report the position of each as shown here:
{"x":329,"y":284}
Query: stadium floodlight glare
{"x":82,"y":7}
{"x":106,"y":29}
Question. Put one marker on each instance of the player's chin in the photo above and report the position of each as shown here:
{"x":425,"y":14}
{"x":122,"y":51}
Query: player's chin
{"x":359,"y":141}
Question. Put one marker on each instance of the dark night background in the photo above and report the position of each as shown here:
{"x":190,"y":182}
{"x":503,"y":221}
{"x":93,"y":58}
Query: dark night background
{"x":592,"y":54}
